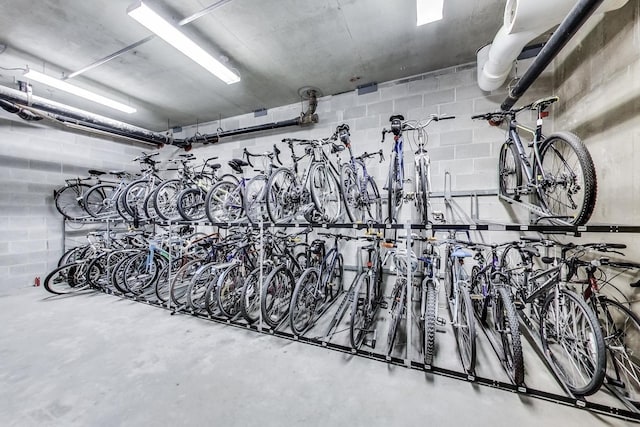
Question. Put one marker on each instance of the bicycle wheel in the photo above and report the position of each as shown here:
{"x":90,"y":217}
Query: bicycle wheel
{"x":423,"y":189}
{"x":69,"y":201}
{"x":140,"y":273}
{"x":509,"y":171}
{"x":507,"y":326}
{"x":134,"y":196}
{"x":250,"y":297}
{"x":430,"y":320}
{"x":276,"y":296}
{"x":332,"y":274}
{"x":255,"y":203}
{"x":351,"y":190}
{"x":568,"y":184}
{"x":466,"y":330}
{"x":393,"y":194}
{"x":448,"y":272}
{"x":304,"y":301}
{"x":398,"y":302}
{"x":479,"y":295}
{"x":100,"y":201}
{"x":191,"y":204}
{"x":282,"y":202}
{"x":372,"y":202}
{"x":361,"y":310}
{"x":229,"y":289}
{"x":325,"y":192}
{"x":165,"y":200}
{"x":621,"y":328}
{"x":202,"y":292}
{"x":180,"y":284}
{"x":513,"y":264}
{"x":67,"y":279}
{"x":224,"y":202}
{"x":572,"y":341}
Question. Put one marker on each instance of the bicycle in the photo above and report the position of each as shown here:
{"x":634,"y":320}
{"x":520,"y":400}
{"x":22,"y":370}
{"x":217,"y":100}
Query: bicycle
{"x":495,"y":310}
{"x":69,"y":200}
{"x":315,"y":194}
{"x":570,"y":336}
{"x":457,"y":289}
{"x":255,"y":194}
{"x":558,"y":171}
{"x":620,"y":325}
{"x":429,"y":295}
{"x":395,"y":178}
{"x":317,"y":288}
{"x":365,"y":293}
{"x":362,"y":198}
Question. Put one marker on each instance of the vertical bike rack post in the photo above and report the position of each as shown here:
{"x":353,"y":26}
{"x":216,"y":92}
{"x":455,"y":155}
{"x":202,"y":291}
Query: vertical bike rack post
{"x":408,"y":308}
{"x":260,"y":274}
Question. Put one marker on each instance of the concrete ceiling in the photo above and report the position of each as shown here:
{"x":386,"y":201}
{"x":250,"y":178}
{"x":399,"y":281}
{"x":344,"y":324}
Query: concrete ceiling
{"x":277,"y":46}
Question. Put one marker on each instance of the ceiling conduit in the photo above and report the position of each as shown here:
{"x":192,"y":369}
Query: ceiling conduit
{"x":21,"y":103}
{"x":524,"y":20}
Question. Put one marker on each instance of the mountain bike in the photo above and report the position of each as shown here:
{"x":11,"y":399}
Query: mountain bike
{"x":362,"y":198}
{"x":570,"y":336}
{"x":558,"y":171}
{"x":429,"y":295}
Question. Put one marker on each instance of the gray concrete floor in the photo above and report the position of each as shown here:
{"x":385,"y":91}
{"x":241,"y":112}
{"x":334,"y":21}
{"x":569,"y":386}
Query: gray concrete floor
{"x":97,"y":360}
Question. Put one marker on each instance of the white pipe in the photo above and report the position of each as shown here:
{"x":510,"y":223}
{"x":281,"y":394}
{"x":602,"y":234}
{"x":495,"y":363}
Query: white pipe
{"x":524,"y":20}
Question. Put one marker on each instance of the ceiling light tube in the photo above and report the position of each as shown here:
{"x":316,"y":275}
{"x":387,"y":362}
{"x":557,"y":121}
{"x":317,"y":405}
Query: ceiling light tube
{"x":163,"y":29}
{"x":429,"y":11}
{"x":75,"y":90}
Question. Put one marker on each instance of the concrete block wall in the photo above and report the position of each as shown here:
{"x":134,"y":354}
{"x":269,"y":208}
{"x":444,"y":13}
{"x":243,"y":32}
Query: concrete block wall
{"x":35,"y":159}
{"x":597,"y":77}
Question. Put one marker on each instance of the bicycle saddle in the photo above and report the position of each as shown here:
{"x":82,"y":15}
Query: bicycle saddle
{"x":215,"y":166}
{"x":460,"y":253}
{"x":118,"y":173}
{"x":335,"y":148}
{"x":396,"y":117}
{"x":96,"y":172}
{"x":544,"y":102}
{"x":237,"y":165}
{"x":531,"y":251}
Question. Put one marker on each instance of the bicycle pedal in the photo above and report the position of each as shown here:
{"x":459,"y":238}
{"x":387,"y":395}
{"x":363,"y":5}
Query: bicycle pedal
{"x":519,"y":304}
{"x":384,"y":305}
{"x":440,"y":321}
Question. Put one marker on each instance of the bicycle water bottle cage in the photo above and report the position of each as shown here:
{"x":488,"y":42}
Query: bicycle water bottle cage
{"x":460,"y":253}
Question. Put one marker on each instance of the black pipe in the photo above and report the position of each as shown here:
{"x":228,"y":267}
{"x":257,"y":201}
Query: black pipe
{"x":73,"y":115}
{"x":21,"y":112}
{"x":568,"y":27}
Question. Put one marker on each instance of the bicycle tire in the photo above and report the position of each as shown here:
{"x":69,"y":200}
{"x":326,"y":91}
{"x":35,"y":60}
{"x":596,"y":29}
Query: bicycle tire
{"x":66,"y":279}
{"x":276,"y":296}
{"x":99,"y":201}
{"x":180,"y":283}
{"x":513,"y":265}
{"x":229,"y":290}
{"x":398,"y":300}
{"x":165,"y":199}
{"x":332,"y":274}
{"x":139,"y":273}
{"x":430,"y":320}
{"x":191,"y":204}
{"x":361,"y":308}
{"x":479,"y":300}
{"x":391,"y":191}
{"x":134,"y":196}
{"x":304,"y":301}
{"x":69,"y":201}
{"x":255,"y":199}
{"x":509,"y":171}
{"x":149,"y":206}
{"x":508,"y":328}
{"x":250,"y":299}
{"x":349,"y":184}
{"x":223,"y":203}
{"x":621,"y":328}
{"x":448,"y":273}
{"x":591,"y":345}
{"x":466,"y":331}
{"x":423,"y":190}
{"x":201,"y":292}
{"x":281,"y":206}
{"x":579,"y":172}
{"x":326,"y":192}
{"x":373,"y":201}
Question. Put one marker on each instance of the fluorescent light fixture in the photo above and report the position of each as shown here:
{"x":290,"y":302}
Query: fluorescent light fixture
{"x":163,"y":29}
{"x":429,"y":11}
{"x":83,"y":93}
